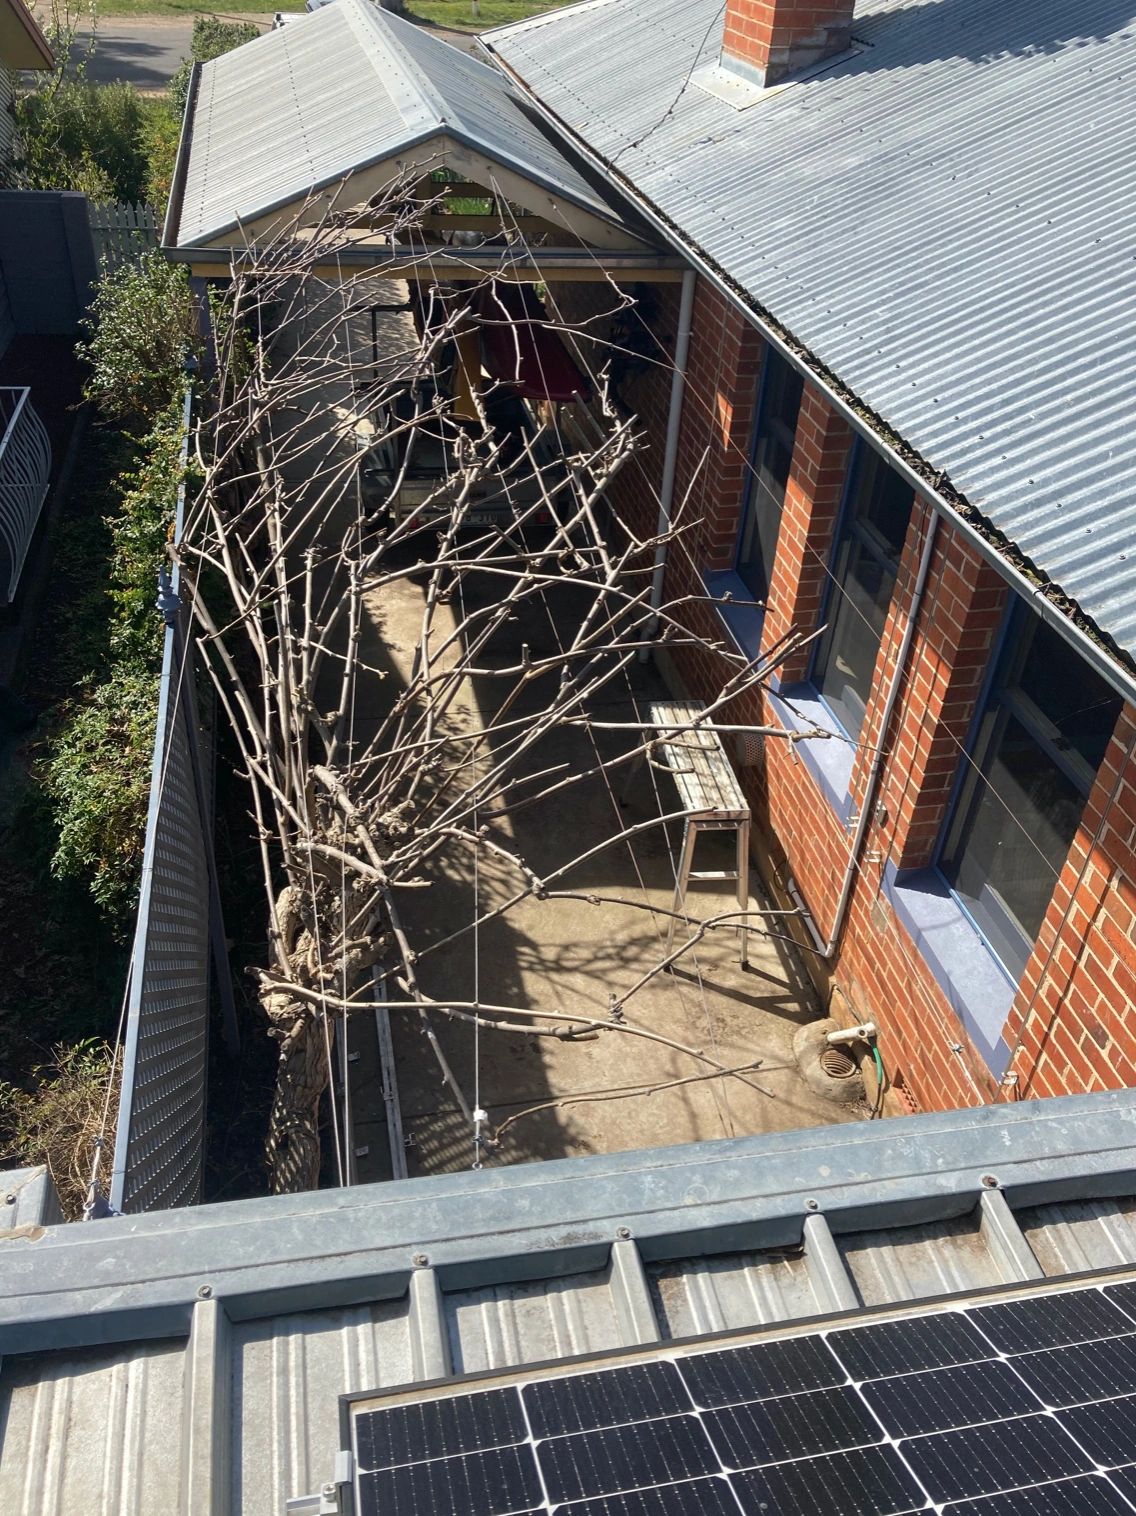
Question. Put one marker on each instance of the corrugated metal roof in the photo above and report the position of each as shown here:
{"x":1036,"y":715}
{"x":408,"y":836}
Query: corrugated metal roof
{"x":348,"y":86}
{"x":192,"y":1361}
{"x":947,"y":221}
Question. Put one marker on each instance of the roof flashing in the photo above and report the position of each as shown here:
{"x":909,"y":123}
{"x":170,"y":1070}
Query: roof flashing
{"x":732,"y":82}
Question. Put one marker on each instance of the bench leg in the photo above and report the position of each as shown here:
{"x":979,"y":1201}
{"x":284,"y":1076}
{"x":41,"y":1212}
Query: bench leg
{"x":743,"y":887}
{"x":681,"y":879}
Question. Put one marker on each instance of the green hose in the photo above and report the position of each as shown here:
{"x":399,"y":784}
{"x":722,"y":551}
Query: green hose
{"x":881,"y":1081}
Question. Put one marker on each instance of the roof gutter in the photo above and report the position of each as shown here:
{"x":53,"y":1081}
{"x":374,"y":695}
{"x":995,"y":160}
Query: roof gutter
{"x":1120,"y":678}
{"x":181,"y":162}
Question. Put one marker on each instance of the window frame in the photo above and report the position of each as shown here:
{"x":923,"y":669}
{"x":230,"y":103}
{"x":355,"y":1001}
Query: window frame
{"x":754,"y":484}
{"x":843,"y":542}
{"x":993,"y":712}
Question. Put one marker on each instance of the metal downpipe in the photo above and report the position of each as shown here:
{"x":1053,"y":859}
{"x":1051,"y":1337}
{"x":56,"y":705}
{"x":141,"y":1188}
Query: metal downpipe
{"x":670,"y":452}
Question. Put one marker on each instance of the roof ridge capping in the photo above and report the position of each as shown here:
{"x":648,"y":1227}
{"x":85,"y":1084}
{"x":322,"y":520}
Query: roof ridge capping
{"x":419,"y":103}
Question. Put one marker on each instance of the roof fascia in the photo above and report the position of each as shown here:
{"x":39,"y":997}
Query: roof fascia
{"x":206,"y":239}
{"x":35,"y":36}
{"x":1094,"y":653}
{"x":137,"y":1277}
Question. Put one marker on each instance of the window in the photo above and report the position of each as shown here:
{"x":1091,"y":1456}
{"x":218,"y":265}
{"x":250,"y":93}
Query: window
{"x":772,"y":454}
{"x":1039,"y":741}
{"x":864,"y":567}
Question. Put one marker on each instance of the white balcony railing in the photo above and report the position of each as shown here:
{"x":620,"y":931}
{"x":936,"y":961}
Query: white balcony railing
{"x":25,"y":467}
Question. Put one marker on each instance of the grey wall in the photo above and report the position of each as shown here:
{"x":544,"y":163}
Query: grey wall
{"x":47,"y":259}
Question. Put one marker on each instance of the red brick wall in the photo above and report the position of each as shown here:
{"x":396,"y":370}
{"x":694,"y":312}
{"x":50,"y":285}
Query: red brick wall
{"x":1073,"y":1024}
{"x":776,"y":37}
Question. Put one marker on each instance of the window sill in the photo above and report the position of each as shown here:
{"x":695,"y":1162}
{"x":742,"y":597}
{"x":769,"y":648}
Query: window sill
{"x":742,"y":622}
{"x":971,"y":977}
{"x":799,"y":708}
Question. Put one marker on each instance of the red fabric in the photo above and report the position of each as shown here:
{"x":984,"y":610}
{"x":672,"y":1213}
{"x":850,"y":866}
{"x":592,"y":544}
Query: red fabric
{"x":525,"y":354}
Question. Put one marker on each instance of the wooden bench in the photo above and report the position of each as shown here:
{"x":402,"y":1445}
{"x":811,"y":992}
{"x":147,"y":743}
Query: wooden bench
{"x":710,"y":795}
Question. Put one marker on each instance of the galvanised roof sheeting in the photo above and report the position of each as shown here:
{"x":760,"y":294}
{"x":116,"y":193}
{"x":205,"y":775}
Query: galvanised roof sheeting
{"x":191,"y":1360}
{"x":947,"y":221}
{"x":348,"y":86}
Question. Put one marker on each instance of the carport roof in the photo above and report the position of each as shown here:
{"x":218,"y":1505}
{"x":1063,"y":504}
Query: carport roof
{"x":335,"y":92}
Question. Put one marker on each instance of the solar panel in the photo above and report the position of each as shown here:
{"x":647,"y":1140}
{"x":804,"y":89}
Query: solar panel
{"x":1021,"y":1407}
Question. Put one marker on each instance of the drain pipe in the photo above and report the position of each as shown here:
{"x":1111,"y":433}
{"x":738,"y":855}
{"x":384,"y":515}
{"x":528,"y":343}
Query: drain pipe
{"x":864,"y":820}
{"x":670,"y":452}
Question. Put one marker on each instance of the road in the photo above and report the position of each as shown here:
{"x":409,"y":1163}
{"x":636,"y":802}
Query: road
{"x":141,"y":52}
{"x":145,"y":51}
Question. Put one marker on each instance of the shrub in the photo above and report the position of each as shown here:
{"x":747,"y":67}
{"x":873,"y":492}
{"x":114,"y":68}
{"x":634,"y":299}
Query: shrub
{"x":98,"y":771}
{"x":99,"y":780}
{"x":58,"y":1121}
{"x":161,"y":128}
{"x":79,"y":136}
{"x":143,"y":329}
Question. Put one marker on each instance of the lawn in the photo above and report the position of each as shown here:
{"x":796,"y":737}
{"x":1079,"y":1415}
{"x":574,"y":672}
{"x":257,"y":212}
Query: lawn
{"x":459,"y":15}
{"x":143,"y":10}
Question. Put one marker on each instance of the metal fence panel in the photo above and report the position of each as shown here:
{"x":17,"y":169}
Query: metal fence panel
{"x":161,"y":1120}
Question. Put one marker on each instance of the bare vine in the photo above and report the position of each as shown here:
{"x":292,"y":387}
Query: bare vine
{"x":301,"y":529}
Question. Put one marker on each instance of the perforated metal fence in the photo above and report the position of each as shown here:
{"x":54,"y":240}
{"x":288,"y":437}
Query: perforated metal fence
{"x":159,"y":1145}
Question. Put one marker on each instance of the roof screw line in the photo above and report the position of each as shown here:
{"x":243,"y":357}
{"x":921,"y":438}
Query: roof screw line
{"x":812,"y":1205}
{"x":204,"y":1291}
{"x":623,"y":1232}
{"x":989,"y":1181}
{"x":420,"y":1260}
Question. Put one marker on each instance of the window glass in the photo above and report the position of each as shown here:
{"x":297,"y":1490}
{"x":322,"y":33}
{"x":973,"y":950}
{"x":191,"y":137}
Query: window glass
{"x":864,"y":568}
{"x":1041,"y":738}
{"x":772,"y":455}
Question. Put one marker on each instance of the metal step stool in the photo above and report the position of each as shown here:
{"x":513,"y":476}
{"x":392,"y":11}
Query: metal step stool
{"x":711,"y":797}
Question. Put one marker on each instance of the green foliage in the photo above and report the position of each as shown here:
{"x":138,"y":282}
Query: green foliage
{"x":99,"y":781}
{"x":77,"y":136}
{"x":56,"y":1122}
{"x":139,"y":533}
{"x":161,"y":128}
{"x":143,"y":329}
{"x":98,"y":771}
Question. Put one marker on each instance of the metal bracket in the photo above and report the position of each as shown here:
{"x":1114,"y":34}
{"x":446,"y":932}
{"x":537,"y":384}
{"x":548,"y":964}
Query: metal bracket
{"x":327,"y":1502}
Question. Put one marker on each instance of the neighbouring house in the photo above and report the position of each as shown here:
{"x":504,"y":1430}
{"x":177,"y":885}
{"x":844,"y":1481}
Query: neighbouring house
{"x":22,"y":46}
{"x":907,"y":424}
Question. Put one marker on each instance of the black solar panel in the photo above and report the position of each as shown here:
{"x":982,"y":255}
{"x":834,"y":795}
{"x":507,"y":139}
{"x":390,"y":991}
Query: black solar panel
{"x":1017,"y":1408}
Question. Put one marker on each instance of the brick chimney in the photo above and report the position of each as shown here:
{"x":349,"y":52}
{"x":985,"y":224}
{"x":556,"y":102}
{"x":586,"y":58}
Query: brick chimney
{"x":767,"y":40}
